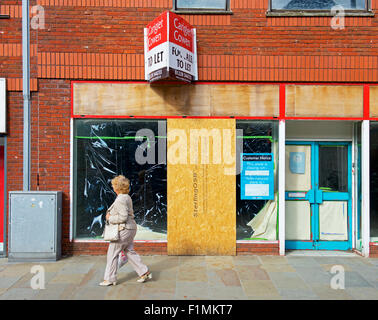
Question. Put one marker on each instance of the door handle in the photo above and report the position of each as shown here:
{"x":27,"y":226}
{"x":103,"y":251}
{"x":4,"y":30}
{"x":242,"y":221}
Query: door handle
{"x":318,"y":196}
{"x":311,"y":196}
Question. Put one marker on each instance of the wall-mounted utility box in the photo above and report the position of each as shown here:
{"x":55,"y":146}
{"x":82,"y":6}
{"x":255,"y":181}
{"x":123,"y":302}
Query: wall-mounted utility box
{"x":35,"y":225}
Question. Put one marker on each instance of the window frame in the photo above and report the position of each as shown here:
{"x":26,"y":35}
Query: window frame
{"x":226,"y":10}
{"x":348,"y":12}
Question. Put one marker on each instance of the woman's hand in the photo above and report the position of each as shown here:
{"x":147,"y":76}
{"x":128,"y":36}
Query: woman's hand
{"x":107,"y":216}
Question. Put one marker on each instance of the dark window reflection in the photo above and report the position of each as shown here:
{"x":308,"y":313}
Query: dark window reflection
{"x":374,"y":180}
{"x":201,"y":4}
{"x":333,"y":168}
{"x":318,"y":4}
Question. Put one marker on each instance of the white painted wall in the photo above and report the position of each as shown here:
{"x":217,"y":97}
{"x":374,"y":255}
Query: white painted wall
{"x":319,"y":130}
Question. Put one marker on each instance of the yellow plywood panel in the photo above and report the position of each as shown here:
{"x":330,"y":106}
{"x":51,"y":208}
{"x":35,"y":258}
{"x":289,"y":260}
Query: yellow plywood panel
{"x":141,"y":99}
{"x":324,"y":101}
{"x":373,"y":101}
{"x":201,"y":187}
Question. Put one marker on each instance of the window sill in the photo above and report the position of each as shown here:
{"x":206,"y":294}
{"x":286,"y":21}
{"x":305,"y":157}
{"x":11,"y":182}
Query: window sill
{"x":199,"y":12}
{"x":4,"y":16}
{"x":283,"y":13}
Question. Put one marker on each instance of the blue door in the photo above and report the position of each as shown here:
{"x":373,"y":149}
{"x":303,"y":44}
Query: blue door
{"x":318,"y":195}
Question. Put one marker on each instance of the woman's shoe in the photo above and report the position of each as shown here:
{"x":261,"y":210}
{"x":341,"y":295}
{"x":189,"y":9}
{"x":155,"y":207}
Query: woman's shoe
{"x":145,"y":277}
{"x":107,"y":283}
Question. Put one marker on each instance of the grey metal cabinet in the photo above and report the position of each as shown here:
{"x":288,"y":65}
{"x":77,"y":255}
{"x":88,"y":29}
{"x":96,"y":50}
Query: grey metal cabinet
{"x":35,"y":223}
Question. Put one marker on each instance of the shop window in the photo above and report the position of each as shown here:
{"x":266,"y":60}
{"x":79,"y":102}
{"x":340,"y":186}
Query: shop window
{"x":318,"y":4}
{"x":106,"y":148}
{"x":202,"y":5}
{"x":256,"y":219}
{"x":374,"y":182}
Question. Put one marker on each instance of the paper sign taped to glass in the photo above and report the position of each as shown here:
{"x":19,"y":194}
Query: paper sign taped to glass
{"x":257,"y":176}
{"x":297,"y":162}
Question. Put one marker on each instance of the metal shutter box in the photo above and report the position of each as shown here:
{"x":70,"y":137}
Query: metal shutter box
{"x":35,"y":223}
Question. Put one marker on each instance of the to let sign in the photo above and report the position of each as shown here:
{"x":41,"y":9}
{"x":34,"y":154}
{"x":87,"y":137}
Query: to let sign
{"x":170,"y":50}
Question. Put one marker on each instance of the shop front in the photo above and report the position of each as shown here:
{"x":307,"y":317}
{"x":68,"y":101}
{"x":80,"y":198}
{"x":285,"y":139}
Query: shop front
{"x":211,"y":165}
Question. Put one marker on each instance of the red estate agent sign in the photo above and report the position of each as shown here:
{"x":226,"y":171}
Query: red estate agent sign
{"x":170,"y":50}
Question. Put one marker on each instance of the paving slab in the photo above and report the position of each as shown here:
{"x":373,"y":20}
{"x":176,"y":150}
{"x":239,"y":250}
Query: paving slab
{"x":314,"y":275}
{"x":302,"y":261}
{"x":19,"y":294}
{"x":54,"y":292}
{"x":192,"y":290}
{"x":124,"y":292}
{"x":230,"y":293}
{"x":362,"y":293}
{"x":325,"y":292}
{"x":252,"y":272}
{"x":288,"y":280}
{"x":7,"y":282}
{"x":260,"y":288}
{"x":293,"y":277}
{"x":298,"y":294}
{"x":354,"y":279}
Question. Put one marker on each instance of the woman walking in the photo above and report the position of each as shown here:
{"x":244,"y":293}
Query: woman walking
{"x":121,"y":213}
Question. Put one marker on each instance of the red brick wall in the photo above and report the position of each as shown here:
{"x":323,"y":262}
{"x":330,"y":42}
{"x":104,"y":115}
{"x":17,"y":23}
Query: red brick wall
{"x":86,"y":39}
{"x":373,"y":250}
{"x":145,"y":248}
{"x":257,"y":248}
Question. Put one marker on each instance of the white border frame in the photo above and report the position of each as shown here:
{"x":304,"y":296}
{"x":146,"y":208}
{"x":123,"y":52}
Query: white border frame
{"x":3,"y":106}
{"x":281,"y":185}
{"x":71,"y":177}
{"x":365,"y":185}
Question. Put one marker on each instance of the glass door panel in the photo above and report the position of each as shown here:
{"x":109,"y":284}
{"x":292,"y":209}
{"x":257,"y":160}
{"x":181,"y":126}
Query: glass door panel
{"x":333,"y":220}
{"x":333,"y":168}
{"x":298,"y":220}
{"x":299,"y":196}
{"x":298,"y":168}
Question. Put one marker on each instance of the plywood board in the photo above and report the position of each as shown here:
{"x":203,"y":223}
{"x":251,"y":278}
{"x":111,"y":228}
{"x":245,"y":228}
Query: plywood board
{"x":141,"y":99}
{"x":243,"y":100}
{"x":201,"y":190}
{"x":324,"y":101}
{"x":373,"y":97}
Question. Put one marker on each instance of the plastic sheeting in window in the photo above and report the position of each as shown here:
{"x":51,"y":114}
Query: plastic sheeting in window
{"x":105,"y":149}
{"x":333,"y":220}
{"x":258,"y":137}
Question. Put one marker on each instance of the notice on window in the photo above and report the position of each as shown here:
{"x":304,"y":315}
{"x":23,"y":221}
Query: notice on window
{"x":257,"y":176}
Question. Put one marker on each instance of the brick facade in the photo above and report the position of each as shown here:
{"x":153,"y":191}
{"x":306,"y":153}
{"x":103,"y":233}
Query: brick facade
{"x":103,"y":40}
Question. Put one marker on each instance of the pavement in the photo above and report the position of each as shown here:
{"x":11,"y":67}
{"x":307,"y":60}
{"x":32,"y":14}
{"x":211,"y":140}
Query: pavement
{"x":296,"y":276}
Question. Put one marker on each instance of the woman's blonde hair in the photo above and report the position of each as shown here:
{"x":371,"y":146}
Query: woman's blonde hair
{"x":121,"y":183}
